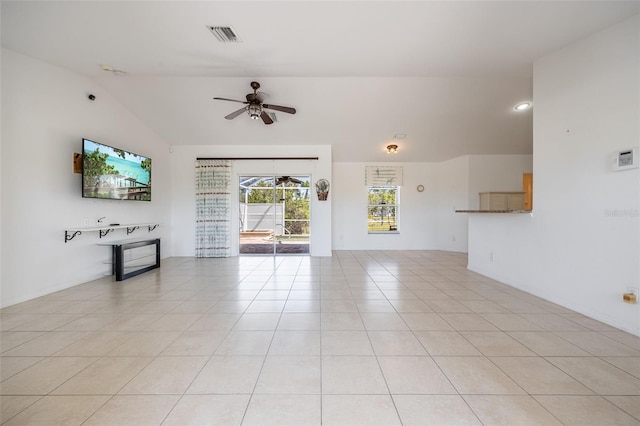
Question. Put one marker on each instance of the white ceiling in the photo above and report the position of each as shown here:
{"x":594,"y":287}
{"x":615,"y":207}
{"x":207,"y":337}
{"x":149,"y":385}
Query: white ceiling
{"x":446,"y":73}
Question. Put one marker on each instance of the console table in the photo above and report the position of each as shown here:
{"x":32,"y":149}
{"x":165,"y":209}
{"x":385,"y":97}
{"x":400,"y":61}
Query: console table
{"x":128,"y":262}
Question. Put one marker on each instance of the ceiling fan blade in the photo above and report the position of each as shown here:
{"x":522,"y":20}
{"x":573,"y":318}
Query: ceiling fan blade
{"x":288,"y":110}
{"x":235,"y":114}
{"x":288,"y":179}
{"x":232,"y":100}
{"x":265,"y":117}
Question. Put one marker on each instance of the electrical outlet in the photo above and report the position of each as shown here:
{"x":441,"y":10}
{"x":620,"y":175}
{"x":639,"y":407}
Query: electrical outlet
{"x":631,"y":296}
{"x":86,"y":222}
{"x":492,"y":256}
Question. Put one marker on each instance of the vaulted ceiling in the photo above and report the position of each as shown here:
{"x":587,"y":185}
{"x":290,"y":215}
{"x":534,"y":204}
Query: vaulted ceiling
{"x":445,"y":73}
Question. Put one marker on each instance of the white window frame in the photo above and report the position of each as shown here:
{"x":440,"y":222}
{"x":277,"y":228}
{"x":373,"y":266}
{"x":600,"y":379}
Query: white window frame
{"x":396,"y":206}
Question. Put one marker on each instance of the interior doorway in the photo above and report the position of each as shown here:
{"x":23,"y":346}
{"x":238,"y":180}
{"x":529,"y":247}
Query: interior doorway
{"x":274,"y":215}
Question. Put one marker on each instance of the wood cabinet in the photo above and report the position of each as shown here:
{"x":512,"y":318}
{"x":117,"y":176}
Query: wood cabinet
{"x":506,"y":201}
{"x":527,"y":187}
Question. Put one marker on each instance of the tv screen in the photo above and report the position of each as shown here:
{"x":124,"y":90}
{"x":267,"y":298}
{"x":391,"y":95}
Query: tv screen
{"x":113,"y":173}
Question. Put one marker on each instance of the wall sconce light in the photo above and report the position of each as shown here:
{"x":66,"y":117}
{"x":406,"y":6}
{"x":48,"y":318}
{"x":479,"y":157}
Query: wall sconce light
{"x":392,"y":149}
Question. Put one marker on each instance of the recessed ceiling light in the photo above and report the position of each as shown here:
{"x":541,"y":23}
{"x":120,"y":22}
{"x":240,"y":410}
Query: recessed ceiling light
{"x":523,"y":106}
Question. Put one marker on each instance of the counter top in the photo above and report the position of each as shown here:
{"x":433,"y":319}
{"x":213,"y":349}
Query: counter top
{"x":494,"y":211}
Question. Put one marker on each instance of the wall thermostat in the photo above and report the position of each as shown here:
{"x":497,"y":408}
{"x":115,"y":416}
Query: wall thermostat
{"x":626,"y":159}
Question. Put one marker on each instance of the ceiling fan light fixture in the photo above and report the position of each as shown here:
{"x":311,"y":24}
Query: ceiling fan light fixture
{"x":254,"y":111}
{"x":255,"y":107}
{"x":392,"y":149}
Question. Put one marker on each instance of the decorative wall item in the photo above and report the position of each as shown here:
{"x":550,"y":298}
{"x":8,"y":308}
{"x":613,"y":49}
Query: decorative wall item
{"x":322,"y":189}
{"x":213,"y":208}
{"x":77,"y":162}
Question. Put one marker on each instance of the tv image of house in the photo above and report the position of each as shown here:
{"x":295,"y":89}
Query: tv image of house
{"x":115,"y":174}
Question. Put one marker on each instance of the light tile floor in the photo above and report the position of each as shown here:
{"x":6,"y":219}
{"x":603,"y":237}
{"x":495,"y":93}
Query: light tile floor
{"x":361,"y":338}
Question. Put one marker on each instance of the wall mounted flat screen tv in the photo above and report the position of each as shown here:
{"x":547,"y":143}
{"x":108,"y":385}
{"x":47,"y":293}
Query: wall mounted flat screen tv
{"x":112,"y":173}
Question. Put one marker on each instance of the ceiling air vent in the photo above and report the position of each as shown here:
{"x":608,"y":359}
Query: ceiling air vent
{"x":225,"y":34}
{"x":273,"y":117}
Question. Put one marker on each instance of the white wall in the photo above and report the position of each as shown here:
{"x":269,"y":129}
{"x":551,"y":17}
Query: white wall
{"x":581,"y":248}
{"x":183,"y":187}
{"x":415,"y":214}
{"x":496,"y":173}
{"x":452,"y":180}
{"x":427,"y":220}
{"x":45,"y":115}
{"x":1,"y":180}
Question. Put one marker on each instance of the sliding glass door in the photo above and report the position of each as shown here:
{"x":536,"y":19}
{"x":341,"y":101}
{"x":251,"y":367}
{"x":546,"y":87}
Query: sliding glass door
{"x":274,"y":214}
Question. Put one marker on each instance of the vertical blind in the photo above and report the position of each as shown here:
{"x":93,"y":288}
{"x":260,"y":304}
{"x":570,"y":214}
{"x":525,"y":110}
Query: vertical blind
{"x":213,"y":208}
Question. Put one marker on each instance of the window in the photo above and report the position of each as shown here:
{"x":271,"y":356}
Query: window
{"x":383,"y":209}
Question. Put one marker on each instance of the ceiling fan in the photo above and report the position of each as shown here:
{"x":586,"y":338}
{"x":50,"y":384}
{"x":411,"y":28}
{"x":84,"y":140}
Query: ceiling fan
{"x":255,"y":106}
{"x":287,"y":179}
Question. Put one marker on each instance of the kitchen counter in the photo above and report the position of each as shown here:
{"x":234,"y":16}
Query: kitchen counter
{"x":494,"y":211}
